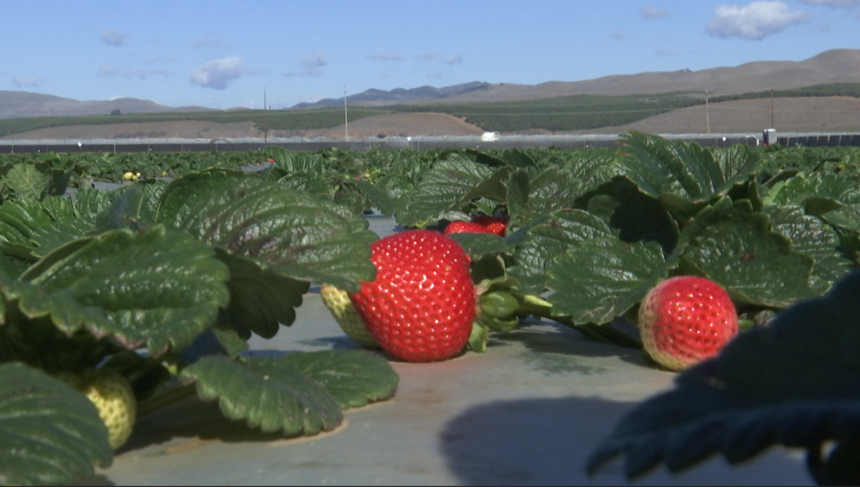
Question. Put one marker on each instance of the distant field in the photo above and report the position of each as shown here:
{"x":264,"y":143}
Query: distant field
{"x":559,"y":114}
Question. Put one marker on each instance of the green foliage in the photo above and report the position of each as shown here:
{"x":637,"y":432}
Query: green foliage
{"x":49,"y":432}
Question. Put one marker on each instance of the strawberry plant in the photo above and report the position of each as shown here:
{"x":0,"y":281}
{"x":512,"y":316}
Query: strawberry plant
{"x":161,"y":284}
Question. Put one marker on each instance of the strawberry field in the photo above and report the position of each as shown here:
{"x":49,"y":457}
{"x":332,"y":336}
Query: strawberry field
{"x":159,"y":287}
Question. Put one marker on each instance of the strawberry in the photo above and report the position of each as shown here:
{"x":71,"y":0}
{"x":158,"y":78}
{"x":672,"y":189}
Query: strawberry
{"x":113,"y":397}
{"x":340,"y":305}
{"x":686,"y":319}
{"x":495,"y":224}
{"x":465,"y":227}
{"x":421,"y":305}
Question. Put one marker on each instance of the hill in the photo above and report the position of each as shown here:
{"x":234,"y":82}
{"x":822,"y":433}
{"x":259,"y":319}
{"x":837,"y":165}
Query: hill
{"x":833,"y":66}
{"x":18,"y":104}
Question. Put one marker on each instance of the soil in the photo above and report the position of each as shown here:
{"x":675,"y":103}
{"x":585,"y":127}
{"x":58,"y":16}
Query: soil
{"x":836,"y":114}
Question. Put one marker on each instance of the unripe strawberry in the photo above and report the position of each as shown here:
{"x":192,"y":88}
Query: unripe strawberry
{"x":421,"y":305}
{"x":113,"y":396}
{"x":465,"y":227}
{"x":340,"y":305}
{"x":686,"y":319}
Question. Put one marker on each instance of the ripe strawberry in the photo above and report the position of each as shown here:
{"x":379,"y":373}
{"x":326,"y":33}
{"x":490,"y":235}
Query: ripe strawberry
{"x":421,"y":305}
{"x":340,"y":305}
{"x":465,"y":227}
{"x":686,"y":319}
{"x":495,"y":224}
{"x":112,"y":395}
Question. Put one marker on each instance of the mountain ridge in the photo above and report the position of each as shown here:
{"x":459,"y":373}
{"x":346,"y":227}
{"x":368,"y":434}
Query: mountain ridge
{"x":832,"y":66}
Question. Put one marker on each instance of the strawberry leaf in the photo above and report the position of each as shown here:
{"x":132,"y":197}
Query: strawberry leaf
{"x":354,"y":378}
{"x":603,"y":277}
{"x":157,"y":287}
{"x":267,"y":393}
{"x":810,"y":236}
{"x":49,"y":433}
{"x":795,"y":382}
{"x":546,"y":239}
{"x":260,"y":300}
{"x":683,"y":169}
{"x":377,"y":197}
{"x":444,"y":187}
{"x":734,"y":246}
{"x":292,"y":232}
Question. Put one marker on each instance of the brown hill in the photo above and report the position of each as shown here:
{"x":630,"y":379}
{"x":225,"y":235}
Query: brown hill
{"x":834,"y":66}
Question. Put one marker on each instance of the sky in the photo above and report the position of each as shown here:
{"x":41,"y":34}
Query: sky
{"x":226,"y":54}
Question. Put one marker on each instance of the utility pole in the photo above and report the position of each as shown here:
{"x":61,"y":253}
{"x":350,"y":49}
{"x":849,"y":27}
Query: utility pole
{"x":345,"y":118}
{"x":265,"y":120}
{"x":771,"y":107}
{"x":707,"y":112}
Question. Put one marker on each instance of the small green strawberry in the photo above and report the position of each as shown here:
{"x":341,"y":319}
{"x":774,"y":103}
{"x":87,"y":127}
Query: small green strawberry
{"x":421,"y":306}
{"x":686,"y":319}
{"x":114,"y":398}
{"x":340,"y":305}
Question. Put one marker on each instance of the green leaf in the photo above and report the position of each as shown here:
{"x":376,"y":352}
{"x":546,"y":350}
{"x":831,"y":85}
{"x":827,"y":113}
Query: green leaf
{"x":810,"y":236}
{"x":795,"y":382}
{"x":444,"y":187}
{"x":354,"y":378}
{"x":19,"y":221}
{"x":49,"y":433}
{"x":547,"y":238}
{"x":158,"y":287}
{"x":292,"y":232}
{"x":602,"y":278}
{"x":30,"y":181}
{"x":684,"y":169}
{"x":734,"y":246}
{"x":377,"y":197}
{"x":269,"y":394}
{"x":260,"y":300}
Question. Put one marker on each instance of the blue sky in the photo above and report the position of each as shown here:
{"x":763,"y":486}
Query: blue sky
{"x":223,"y":54}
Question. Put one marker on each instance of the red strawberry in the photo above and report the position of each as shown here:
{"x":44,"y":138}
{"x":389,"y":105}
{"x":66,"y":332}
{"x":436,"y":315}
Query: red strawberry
{"x":686,"y":319}
{"x":465,"y":227}
{"x":421,"y":305}
{"x":495,"y":224}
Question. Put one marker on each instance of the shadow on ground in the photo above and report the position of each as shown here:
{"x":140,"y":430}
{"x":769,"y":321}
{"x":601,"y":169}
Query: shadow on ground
{"x":547,"y":442}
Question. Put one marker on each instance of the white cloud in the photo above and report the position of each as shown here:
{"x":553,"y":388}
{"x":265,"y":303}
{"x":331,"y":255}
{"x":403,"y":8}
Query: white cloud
{"x":203,"y":43}
{"x":428,"y":56}
{"x":311,"y":65}
{"x":385,"y":56}
{"x":27,"y":82}
{"x":114,"y":37}
{"x":754,"y":21}
{"x":113,"y":72}
{"x":653,"y":13}
{"x":440,"y":56}
{"x":219,"y":73}
{"x":455,"y":59}
{"x":834,"y":3}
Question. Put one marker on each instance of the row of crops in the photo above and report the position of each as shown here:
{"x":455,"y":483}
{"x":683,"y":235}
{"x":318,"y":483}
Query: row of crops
{"x":193,"y":255}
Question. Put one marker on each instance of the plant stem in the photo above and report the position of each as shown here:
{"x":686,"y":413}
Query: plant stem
{"x":601,"y":333}
{"x":171,"y":396}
